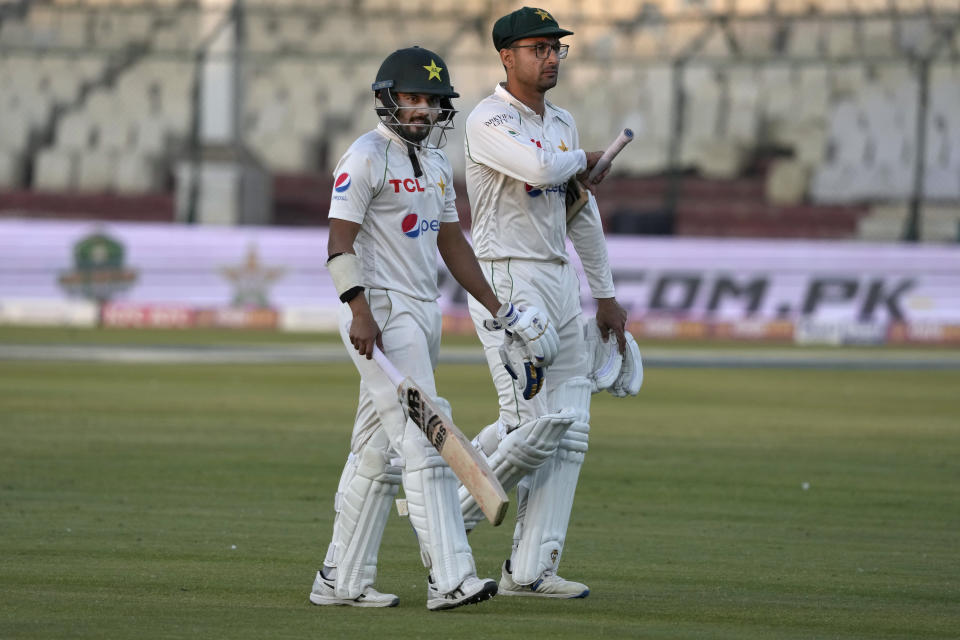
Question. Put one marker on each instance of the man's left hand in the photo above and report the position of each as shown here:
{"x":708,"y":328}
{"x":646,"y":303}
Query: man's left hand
{"x":612,"y":318}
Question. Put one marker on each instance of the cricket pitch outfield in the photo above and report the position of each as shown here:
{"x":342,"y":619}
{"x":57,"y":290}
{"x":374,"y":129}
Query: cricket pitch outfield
{"x":195,"y":500}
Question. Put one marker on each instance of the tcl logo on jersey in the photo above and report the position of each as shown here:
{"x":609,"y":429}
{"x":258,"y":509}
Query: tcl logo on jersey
{"x":533,"y":192}
{"x":410,"y":184}
{"x":412,"y":226}
{"x":342,"y":183}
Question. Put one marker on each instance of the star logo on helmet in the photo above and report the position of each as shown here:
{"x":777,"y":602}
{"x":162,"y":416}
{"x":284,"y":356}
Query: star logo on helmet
{"x":434,"y":70}
{"x":543,"y":15}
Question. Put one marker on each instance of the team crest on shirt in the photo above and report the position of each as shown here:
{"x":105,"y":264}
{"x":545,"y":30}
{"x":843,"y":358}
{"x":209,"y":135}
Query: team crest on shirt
{"x":342,"y":183}
{"x":412,"y":225}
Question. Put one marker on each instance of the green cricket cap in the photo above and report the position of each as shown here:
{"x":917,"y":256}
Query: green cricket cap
{"x":527,"y":22}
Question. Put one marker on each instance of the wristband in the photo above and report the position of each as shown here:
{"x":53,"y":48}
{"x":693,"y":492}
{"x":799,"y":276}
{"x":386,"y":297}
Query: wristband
{"x":345,"y":270}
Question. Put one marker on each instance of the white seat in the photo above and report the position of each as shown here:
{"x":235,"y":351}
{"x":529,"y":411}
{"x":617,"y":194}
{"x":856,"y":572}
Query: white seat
{"x":841,"y":38}
{"x":74,"y":132}
{"x":150,"y":137}
{"x":135,"y":174}
{"x":95,"y":171}
{"x":54,"y":170}
{"x":11,"y":169}
{"x":877,"y":37}
{"x":14,"y":131}
{"x":805,"y":38}
{"x":286,"y":153}
{"x":117,"y":136}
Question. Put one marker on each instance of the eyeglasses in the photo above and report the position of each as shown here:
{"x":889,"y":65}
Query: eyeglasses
{"x":543,"y":49}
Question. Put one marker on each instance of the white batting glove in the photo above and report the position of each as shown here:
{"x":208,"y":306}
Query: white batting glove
{"x":530,"y":344}
{"x":606,"y":358}
{"x":630,"y":380}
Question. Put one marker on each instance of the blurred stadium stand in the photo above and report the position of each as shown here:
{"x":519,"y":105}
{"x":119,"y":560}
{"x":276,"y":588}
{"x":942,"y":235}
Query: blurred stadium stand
{"x":758,"y":118}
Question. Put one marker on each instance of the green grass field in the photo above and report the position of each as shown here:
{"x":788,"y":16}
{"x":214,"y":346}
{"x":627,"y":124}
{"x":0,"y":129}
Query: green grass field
{"x":174,"y":501}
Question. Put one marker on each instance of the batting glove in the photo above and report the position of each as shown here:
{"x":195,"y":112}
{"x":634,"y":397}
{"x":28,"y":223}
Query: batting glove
{"x":530,"y":344}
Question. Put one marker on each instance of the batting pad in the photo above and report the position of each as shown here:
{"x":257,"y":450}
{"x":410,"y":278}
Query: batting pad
{"x":431,"y":490}
{"x":518,"y":453}
{"x":543,"y":507}
{"x":542,"y":523}
{"x":365,"y":494}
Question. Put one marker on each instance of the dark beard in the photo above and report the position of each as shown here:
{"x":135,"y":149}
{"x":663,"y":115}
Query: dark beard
{"x":409,"y":133}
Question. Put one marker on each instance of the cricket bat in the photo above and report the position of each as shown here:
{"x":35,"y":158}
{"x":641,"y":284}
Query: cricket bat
{"x":577,"y":195}
{"x":465,"y":461}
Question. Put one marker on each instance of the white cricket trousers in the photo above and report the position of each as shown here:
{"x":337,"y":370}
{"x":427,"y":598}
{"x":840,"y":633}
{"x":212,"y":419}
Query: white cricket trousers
{"x":554,"y":288}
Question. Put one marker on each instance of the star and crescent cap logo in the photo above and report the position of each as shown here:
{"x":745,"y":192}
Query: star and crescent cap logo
{"x":434,"y":70}
{"x":543,"y":15}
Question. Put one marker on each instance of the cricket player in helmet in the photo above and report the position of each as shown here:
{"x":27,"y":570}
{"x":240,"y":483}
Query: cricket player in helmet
{"x":391,"y":210}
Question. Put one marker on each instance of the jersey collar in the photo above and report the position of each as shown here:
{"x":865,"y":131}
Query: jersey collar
{"x":390,"y":134}
{"x":549,"y":112}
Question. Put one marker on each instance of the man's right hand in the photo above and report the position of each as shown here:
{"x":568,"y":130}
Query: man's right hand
{"x":364,"y":331}
{"x":593,"y":157}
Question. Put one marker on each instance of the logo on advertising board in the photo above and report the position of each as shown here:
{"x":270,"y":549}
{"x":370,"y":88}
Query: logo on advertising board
{"x":252,"y":280}
{"x":98,"y":270}
{"x":342,"y":183}
{"x":412,"y":226}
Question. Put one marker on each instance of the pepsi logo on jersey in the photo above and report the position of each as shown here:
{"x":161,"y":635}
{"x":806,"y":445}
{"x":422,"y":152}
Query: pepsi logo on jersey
{"x":533,"y":192}
{"x":412,"y":226}
{"x":342,"y":183}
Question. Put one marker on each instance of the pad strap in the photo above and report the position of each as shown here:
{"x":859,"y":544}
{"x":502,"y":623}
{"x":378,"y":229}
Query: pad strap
{"x":345,"y":270}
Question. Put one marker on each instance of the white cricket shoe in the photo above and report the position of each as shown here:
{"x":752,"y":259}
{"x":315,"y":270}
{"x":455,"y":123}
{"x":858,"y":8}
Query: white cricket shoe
{"x":323,"y":593}
{"x":549,"y":585}
{"x":472,"y":590}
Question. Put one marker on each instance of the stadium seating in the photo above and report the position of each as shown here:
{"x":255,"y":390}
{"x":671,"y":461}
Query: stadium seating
{"x":99,"y":98}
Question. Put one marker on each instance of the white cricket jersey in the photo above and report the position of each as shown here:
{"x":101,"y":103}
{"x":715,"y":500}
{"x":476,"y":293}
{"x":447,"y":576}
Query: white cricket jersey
{"x":518,"y":165}
{"x":399,"y":214}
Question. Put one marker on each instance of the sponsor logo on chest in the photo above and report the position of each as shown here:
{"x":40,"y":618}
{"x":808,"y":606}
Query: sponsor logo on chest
{"x":413,"y":225}
{"x":533,"y":192}
{"x":410,"y":185}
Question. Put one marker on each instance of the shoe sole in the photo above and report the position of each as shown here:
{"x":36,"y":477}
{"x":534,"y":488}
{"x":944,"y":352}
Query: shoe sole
{"x":534,"y":594}
{"x":325,"y":601}
{"x":488,"y":591}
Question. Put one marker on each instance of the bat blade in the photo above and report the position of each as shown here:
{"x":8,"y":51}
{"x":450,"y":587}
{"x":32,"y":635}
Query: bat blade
{"x":465,"y":461}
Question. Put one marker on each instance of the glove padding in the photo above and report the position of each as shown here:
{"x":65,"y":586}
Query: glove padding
{"x":606,"y":358}
{"x":630,"y":380}
{"x":530,"y":343}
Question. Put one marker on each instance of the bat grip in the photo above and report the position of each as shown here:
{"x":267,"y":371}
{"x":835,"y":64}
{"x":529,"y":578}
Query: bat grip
{"x":599,"y":168}
{"x":381,"y":359}
{"x":610,"y":153}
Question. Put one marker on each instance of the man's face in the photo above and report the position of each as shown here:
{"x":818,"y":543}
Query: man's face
{"x":416,"y":113}
{"x":530,"y":70}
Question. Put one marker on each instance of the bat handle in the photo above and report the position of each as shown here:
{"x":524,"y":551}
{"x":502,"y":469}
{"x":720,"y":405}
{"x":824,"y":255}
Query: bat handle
{"x":395,"y":376}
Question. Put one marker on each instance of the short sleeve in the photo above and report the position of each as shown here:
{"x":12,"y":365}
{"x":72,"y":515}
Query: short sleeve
{"x":352,"y":187}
